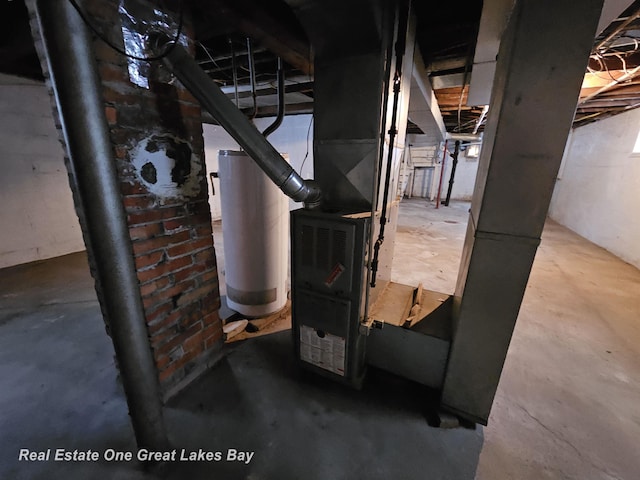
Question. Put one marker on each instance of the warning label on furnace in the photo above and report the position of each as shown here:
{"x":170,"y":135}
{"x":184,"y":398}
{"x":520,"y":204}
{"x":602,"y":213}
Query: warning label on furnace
{"x":322,"y":349}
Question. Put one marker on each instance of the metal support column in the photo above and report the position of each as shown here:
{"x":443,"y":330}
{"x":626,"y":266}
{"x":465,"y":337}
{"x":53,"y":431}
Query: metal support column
{"x":67,"y":51}
{"x":540,"y":68}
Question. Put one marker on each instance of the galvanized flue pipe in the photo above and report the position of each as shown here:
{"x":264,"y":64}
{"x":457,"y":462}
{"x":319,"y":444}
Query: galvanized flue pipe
{"x":238,"y":126}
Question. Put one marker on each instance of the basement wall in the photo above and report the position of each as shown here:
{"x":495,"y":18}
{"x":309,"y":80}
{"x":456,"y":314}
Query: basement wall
{"x":423,"y":147}
{"x":37,"y":211}
{"x":465,"y":179}
{"x":597,"y":193}
{"x":290,"y":138}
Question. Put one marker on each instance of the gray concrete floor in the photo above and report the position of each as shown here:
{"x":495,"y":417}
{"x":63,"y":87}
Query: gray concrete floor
{"x":568,"y":405}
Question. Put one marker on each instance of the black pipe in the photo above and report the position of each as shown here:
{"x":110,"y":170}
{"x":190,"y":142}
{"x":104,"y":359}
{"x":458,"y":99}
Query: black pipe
{"x":456,"y":152}
{"x":393,"y":131}
{"x":378,"y":165}
{"x":281,"y":106}
{"x":70,"y":62}
{"x":243,"y":131}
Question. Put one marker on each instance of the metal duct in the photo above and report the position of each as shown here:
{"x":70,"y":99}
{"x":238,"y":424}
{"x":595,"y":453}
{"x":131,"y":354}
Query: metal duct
{"x":351,"y":45}
{"x":70,"y":63}
{"x":205,"y":90}
{"x":464,"y":137}
{"x":532,"y":107}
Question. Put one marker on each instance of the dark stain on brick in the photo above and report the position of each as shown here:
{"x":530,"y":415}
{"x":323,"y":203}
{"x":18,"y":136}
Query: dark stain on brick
{"x":152,"y":146}
{"x":149,"y":173}
{"x":181,"y":154}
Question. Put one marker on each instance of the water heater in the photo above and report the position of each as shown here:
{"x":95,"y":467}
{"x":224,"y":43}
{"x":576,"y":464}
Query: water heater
{"x":255,"y":230}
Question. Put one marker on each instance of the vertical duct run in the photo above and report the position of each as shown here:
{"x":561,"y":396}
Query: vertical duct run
{"x":533,"y":103}
{"x":70,"y":64}
{"x":255,"y":220}
{"x":350,"y":41}
{"x":354,"y":50}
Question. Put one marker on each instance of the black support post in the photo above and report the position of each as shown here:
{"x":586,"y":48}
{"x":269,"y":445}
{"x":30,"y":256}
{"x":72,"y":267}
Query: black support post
{"x":456,"y":152}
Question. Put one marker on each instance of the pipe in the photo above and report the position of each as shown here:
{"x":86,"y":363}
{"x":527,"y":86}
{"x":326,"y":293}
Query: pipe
{"x":223,"y":58}
{"x":456,"y":152}
{"x":281,"y":105}
{"x":393,"y":131}
{"x":234,"y":68}
{"x":252,"y":78}
{"x":464,"y":137}
{"x":376,"y":177}
{"x":444,"y":162}
{"x":70,"y":61}
{"x":238,"y":126}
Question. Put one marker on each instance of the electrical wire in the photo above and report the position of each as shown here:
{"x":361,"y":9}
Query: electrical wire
{"x":603,"y":66}
{"x":624,"y":63}
{"x":206,"y":51}
{"x":307,"y":154}
{"x":102,"y":37}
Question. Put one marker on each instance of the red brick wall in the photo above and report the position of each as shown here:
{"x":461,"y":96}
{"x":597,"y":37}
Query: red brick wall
{"x":171,"y":235}
{"x":170,"y":229}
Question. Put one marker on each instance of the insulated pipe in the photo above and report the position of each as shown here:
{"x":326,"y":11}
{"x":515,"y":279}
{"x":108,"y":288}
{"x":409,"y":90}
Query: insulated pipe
{"x":238,"y":126}
{"x":464,"y":137}
{"x":70,"y":61}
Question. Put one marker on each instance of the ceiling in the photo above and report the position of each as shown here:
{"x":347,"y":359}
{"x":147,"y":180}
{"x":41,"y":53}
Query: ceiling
{"x":447,"y":42}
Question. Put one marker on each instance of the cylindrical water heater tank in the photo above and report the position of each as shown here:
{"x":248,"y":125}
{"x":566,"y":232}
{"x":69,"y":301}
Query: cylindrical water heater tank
{"x":255,"y":231}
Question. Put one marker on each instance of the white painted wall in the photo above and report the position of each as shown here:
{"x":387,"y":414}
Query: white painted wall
{"x":598,"y":189}
{"x":290,"y":138}
{"x":466,"y":170}
{"x":465,"y":179}
{"x":36,"y":208}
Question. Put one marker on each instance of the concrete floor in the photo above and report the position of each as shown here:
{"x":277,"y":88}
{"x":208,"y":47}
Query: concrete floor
{"x":568,"y":405}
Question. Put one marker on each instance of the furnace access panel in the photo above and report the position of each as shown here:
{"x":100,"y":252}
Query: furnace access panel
{"x":328,"y":288}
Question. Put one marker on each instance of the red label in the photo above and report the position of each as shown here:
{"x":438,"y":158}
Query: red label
{"x":335,"y":274}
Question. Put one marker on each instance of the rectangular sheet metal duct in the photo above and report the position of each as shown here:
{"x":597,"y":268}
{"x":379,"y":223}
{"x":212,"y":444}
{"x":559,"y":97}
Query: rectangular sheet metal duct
{"x":533,"y":102}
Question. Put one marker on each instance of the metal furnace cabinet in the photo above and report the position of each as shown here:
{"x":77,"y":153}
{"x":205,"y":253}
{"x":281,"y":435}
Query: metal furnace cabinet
{"x":327,"y":291}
